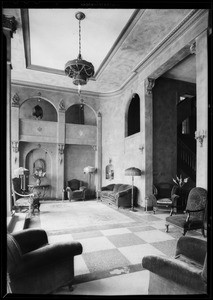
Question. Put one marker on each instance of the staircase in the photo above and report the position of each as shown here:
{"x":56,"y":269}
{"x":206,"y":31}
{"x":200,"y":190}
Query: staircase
{"x":186,"y":160}
{"x":186,"y":146}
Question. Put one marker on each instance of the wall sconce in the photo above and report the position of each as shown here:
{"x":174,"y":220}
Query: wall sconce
{"x":199,"y":135}
{"x":141,"y":148}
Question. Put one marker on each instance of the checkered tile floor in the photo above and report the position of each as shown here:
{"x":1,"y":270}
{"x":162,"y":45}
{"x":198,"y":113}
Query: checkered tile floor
{"x":109,"y":250}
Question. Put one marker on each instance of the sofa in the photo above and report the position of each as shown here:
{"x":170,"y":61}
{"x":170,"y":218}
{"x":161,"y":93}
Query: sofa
{"x":36,"y":267}
{"x":119,"y":194}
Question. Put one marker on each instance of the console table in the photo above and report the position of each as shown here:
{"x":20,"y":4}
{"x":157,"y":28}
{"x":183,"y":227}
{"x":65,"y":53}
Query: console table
{"x":39,"y":190}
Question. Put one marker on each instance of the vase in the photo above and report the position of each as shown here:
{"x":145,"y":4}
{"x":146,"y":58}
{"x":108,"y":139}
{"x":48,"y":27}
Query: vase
{"x":38,"y":181}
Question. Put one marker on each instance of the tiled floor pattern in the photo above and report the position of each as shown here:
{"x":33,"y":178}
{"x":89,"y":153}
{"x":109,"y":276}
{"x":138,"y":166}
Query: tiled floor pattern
{"x":110,"y":250}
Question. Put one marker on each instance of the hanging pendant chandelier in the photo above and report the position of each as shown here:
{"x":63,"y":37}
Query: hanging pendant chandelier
{"x":78,"y":69}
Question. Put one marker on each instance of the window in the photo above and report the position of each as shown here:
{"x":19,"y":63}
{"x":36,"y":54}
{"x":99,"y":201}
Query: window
{"x":185,"y":126}
{"x":133,"y":119}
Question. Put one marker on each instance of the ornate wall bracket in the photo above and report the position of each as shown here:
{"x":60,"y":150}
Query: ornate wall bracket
{"x":9,"y":22}
{"x":141,"y":148}
{"x":61,"y":152}
{"x":61,"y":106}
{"x":15,"y":100}
{"x":15,"y":145}
{"x":94,"y":147}
{"x":149,"y":84}
{"x":200,"y":135}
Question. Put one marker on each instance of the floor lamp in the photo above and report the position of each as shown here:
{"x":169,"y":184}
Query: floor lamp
{"x":132,"y":172}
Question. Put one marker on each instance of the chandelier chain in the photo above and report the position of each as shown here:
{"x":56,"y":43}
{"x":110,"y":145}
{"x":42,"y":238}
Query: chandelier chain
{"x":80,"y":37}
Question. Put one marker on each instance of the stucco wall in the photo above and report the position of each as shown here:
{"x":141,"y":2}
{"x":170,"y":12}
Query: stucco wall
{"x":165,"y":97}
{"x":77,"y":157}
{"x":124,"y":152}
{"x":43,"y":137}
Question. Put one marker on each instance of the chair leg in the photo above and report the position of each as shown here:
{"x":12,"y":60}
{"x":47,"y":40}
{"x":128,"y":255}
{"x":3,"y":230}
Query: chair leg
{"x":184,"y":231}
{"x":71,"y":288}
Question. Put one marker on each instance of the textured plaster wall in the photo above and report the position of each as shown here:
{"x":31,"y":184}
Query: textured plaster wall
{"x":165,"y":97}
{"x":77,"y":157}
{"x":124,"y":152}
{"x":43,"y":136}
{"x":49,"y":111}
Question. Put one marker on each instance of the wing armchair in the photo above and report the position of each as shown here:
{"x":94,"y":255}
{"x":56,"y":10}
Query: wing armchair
{"x":36,"y":267}
{"x":186,"y":273}
{"x":195,"y":216}
{"x":76,"y":190}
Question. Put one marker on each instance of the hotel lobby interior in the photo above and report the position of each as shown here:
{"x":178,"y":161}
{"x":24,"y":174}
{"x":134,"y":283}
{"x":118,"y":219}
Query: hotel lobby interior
{"x":107,"y":142}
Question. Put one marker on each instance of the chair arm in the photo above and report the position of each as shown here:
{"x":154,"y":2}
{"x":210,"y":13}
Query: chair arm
{"x":82,"y":188}
{"x":30,"y":239}
{"x":174,"y":197}
{"x":189,"y":211}
{"x":192,"y":248}
{"x":152,"y":198}
{"x":50,"y":254}
{"x":24,"y":195}
{"x":173,"y":270}
{"x":124,"y":192}
{"x":104,"y":188}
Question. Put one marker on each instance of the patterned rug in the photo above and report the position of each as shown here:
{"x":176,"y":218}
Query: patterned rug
{"x":114,"y":243}
{"x":64,"y":215}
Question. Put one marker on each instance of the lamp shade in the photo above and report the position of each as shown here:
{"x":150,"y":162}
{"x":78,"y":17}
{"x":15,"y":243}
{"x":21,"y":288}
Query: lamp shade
{"x":133,"y":172}
{"x":89,"y":169}
{"x":20,"y":171}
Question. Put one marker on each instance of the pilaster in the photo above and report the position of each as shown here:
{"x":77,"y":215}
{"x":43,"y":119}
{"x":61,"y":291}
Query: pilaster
{"x":202,"y":109}
{"x":9,"y":27}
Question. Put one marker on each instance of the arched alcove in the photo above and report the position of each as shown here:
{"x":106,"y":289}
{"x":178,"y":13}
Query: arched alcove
{"x":38,"y":109}
{"x":36,"y":159}
{"x":132,"y":117}
{"x":80,"y":114}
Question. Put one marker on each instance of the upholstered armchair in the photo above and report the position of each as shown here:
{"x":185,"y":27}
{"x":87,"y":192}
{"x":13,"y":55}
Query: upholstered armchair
{"x":23,"y":201}
{"x":76,"y":190}
{"x":36,"y":267}
{"x":186,"y":273}
{"x":164,"y":196}
{"x":195,"y":216}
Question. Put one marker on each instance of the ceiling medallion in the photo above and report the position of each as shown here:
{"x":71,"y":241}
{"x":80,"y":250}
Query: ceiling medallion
{"x":78,"y":69}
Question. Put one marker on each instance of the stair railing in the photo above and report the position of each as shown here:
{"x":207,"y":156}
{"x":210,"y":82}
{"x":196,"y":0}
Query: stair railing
{"x":187,"y":158}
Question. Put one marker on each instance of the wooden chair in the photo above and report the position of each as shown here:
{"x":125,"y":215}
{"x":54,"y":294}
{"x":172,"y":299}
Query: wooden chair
{"x":23,"y":201}
{"x":164,"y":197}
{"x":195,"y":216}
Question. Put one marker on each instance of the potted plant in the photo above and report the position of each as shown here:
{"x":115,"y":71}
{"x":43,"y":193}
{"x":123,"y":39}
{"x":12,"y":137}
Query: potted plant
{"x":38,"y":175}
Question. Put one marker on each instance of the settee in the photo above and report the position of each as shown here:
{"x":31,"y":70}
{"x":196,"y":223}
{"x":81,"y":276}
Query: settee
{"x":119,"y":194}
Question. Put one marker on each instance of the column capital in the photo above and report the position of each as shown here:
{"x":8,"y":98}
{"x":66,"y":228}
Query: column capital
{"x":193,"y":48}
{"x":9,"y":23}
{"x":149,"y":84}
{"x":15,"y":100}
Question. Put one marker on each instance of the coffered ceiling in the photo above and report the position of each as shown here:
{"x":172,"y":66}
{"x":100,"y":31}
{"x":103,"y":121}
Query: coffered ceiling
{"x":115,"y":41}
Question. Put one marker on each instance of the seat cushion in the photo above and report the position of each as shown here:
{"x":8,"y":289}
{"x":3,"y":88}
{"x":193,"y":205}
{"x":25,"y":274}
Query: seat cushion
{"x":108,"y":194}
{"x":164,"y":201}
{"x":24,"y":201}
